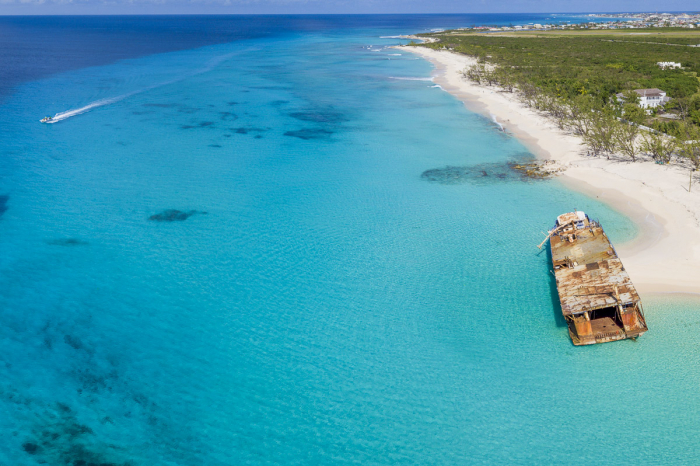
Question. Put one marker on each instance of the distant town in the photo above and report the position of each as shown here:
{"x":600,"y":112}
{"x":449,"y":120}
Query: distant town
{"x":620,"y":21}
{"x":623,"y":76}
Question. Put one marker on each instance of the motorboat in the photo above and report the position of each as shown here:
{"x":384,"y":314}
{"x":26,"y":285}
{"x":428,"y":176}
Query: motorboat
{"x":47,"y":119}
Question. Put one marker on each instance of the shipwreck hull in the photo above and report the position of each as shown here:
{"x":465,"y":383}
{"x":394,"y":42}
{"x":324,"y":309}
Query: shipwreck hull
{"x":598,"y":299}
{"x":606,"y":325}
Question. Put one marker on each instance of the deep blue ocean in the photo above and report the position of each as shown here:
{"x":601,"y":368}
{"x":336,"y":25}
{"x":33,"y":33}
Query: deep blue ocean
{"x":273,"y":240}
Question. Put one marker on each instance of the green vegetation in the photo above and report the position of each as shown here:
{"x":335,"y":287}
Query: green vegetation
{"x":570,"y":65}
{"x":574,"y":76}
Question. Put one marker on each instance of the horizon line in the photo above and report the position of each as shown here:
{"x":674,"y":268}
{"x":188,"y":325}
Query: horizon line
{"x":359,"y":14}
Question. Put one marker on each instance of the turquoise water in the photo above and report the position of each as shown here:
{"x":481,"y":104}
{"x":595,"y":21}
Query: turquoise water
{"x":322,"y":304}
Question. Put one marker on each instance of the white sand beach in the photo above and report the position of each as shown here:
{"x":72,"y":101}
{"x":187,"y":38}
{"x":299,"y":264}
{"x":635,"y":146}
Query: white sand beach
{"x":665,"y":257}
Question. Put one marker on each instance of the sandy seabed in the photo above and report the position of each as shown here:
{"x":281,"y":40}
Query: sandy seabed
{"x":665,"y":256}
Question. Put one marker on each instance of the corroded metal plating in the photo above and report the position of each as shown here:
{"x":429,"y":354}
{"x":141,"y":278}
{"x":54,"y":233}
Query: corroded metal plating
{"x":597,"y":297}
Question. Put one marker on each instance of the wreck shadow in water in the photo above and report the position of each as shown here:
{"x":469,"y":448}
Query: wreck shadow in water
{"x":559,"y":319}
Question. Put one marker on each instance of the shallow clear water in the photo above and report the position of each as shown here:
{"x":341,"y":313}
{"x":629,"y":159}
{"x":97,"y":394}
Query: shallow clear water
{"x":322,"y":303}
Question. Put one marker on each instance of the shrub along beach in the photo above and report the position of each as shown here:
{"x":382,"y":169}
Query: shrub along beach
{"x":619,"y":109}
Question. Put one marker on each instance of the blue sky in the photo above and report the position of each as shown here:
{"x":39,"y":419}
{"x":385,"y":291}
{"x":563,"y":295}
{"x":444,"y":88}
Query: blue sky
{"x":333,"y":6}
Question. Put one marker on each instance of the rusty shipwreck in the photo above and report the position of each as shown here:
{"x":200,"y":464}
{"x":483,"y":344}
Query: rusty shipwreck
{"x":598,"y":299}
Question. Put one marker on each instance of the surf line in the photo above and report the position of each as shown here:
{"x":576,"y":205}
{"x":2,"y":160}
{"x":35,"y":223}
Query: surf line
{"x":500,"y":126}
{"x":211,"y":64}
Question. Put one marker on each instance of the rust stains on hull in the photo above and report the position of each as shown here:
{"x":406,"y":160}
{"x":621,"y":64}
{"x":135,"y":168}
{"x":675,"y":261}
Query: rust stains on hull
{"x":598,"y":299}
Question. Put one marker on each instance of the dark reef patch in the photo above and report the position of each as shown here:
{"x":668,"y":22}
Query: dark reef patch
{"x":228,"y":116}
{"x":67,"y":242}
{"x":73,"y":342}
{"x":188,"y":110}
{"x":214,"y":145}
{"x":92,"y":382}
{"x":79,"y":429}
{"x":202,"y":124}
{"x":179,"y":107}
{"x":30,"y":447}
{"x":308,"y":134}
{"x":160,"y":105}
{"x":484,"y":173}
{"x":328,"y":116}
{"x":3,"y":204}
{"x":277,"y":103}
{"x":173,"y":215}
{"x":62,"y":440}
{"x":258,"y":136}
{"x":270,"y":88}
{"x":246,"y":130}
{"x":232,"y":103}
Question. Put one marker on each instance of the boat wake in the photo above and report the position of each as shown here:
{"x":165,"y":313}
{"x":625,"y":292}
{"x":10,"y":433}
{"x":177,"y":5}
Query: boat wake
{"x":211,"y":64}
{"x":99,"y":103}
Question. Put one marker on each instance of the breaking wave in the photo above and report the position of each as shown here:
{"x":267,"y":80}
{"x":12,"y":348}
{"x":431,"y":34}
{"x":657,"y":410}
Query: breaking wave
{"x":493,"y":117}
{"x":409,"y":78}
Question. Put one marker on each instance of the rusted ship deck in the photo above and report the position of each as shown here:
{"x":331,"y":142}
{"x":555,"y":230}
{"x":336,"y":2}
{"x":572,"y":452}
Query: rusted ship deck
{"x":598,"y":299}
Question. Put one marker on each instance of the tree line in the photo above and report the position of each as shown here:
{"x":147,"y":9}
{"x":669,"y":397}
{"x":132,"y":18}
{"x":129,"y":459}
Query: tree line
{"x":600,"y":65}
{"x":606,"y":127}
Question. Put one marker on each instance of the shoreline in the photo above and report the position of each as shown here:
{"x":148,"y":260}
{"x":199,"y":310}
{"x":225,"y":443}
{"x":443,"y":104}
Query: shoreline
{"x":665,"y":256}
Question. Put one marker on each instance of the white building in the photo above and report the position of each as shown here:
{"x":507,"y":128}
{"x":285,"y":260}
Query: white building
{"x":648,"y":98}
{"x":668,"y":64}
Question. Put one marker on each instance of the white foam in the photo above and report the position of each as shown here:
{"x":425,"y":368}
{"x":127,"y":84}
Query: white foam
{"x":391,"y":37}
{"x":99,"y":103}
{"x":409,"y":78}
{"x":394,"y":54}
{"x":493,"y":117}
{"x":211,"y":64}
